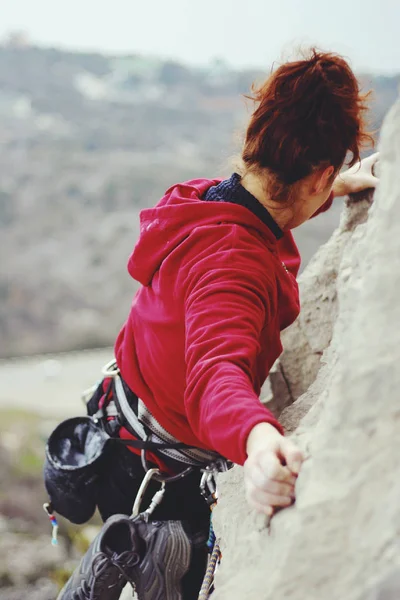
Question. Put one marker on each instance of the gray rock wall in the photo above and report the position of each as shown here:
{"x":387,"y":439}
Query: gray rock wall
{"x":342,"y":538}
{"x":310,"y":335}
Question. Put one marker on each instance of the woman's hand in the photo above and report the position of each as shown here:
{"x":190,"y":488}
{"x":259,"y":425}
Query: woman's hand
{"x":271,"y":469}
{"x":359,"y":177}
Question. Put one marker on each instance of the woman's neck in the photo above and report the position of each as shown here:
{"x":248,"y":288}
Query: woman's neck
{"x":282,"y":215}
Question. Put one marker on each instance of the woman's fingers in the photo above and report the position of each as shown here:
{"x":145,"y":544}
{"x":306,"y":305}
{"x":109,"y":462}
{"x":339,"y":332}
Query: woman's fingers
{"x":278,"y":488}
{"x":284,"y":463}
{"x":262,"y":480}
{"x":261,"y":508}
{"x":361,"y":176}
{"x":372,"y":159}
{"x":368,"y":166}
{"x":292,"y":456}
{"x":272,"y":468}
{"x":259,"y":479}
{"x":268,"y":483}
{"x":255,"y":495}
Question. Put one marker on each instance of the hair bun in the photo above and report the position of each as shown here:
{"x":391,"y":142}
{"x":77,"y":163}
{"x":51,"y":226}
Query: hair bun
{"x":309,"y":112}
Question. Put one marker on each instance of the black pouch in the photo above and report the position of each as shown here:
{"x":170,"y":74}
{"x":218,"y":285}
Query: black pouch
{"x":75,"y":453}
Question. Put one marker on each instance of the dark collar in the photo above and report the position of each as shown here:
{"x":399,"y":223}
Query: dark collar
{"x":231,"y":190}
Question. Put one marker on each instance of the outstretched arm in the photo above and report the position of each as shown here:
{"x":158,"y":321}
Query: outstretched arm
{"x":225,"y":312}
{"x":226,"y":309}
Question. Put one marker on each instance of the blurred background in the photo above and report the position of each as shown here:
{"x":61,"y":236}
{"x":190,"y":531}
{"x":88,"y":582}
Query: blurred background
{"x":102,"y":107}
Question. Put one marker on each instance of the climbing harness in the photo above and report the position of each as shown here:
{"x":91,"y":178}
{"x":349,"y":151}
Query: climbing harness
{"x":163,"y":478}
{"x":134,"y":415}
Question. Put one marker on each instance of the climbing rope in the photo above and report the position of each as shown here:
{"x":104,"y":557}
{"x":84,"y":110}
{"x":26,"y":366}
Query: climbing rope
{"x":214,"y":559}
{"x":209,"y":576}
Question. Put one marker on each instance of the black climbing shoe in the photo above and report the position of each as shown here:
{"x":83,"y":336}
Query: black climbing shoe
{"x":166,"y":561}
{"x":153,"y":557}
{"x":107,"y":565}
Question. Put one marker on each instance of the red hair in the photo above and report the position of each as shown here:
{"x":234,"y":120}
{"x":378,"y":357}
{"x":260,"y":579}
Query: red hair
{"x":309,"y":113}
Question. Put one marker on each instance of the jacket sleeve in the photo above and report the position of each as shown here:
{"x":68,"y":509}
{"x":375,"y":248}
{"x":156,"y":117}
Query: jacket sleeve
{"x":225,"y":313}
{"x":326,"y":206}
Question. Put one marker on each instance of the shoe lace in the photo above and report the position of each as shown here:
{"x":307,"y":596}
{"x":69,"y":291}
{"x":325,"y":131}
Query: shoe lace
{"x":101,"y":563}
{"x":82,"y":593}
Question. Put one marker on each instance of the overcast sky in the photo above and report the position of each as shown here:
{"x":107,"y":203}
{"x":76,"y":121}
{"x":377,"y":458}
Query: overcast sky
{"x":243,"y":32}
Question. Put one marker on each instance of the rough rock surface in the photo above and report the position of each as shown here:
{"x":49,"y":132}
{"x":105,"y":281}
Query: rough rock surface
{"x":341,"y":539}
{"x":310,"y":335}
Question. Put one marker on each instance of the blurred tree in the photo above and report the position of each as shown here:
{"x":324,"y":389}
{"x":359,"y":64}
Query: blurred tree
{"x":173,"y":73}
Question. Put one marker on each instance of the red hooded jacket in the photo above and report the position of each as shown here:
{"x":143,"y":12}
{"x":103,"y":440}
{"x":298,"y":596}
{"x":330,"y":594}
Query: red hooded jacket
{"x":204,"y":328}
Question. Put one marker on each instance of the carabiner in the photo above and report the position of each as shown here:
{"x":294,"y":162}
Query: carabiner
{"x":142,"y":490}
{"x":208,"y":488}
{"x":110,"y":369}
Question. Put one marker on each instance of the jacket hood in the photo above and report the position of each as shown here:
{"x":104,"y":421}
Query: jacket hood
{"x":165,"y":226}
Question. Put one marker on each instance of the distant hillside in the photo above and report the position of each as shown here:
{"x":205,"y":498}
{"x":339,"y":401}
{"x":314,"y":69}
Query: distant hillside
{"x":87,"y":141}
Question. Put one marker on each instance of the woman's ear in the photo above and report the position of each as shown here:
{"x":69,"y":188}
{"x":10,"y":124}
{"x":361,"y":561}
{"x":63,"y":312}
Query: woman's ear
{"x":324,"y":178}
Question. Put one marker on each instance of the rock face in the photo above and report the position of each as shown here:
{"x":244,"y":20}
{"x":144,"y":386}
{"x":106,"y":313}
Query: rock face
{"x":342,"y":538}
{"x":306,"y":340}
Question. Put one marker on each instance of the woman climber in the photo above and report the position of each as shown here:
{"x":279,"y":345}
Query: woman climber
{"x":217,"y":265}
